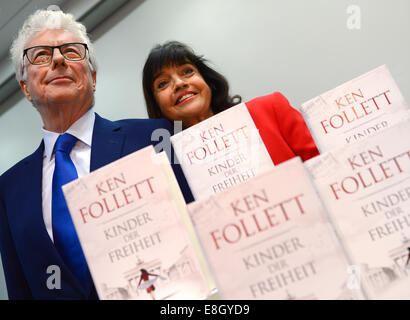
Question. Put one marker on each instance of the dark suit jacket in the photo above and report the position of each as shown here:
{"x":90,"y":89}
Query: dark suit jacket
{"x":26,"y":248}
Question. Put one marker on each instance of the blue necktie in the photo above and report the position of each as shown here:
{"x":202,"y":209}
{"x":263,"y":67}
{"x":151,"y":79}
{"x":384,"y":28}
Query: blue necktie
{"x":64,"y":234}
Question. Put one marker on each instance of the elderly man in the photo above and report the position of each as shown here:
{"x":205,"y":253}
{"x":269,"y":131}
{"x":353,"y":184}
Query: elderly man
{"x":56,"y":69}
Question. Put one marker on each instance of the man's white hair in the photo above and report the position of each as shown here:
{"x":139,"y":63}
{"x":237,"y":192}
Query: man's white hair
{"x":42,"y":20}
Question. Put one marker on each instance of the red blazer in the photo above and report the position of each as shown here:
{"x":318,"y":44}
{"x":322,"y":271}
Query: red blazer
{"x":281,"y":128}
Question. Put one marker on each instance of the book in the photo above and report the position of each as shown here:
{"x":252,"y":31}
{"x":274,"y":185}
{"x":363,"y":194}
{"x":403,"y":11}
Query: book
{"x":180,"y":202}
{"x":221,"y":151}
{"x":269,"y":238}
{"x":365,"y":187}
{"x":354,"y":110}
{"x":129,"y":217}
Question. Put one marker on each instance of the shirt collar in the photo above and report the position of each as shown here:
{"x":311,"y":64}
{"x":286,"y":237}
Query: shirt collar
{"x":82,"y":129}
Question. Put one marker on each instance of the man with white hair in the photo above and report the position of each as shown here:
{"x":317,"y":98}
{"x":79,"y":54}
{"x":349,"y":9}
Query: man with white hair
{"x":56,"y":68}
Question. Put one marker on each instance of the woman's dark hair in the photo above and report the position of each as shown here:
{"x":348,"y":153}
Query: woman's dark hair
{"x":174,"y":53}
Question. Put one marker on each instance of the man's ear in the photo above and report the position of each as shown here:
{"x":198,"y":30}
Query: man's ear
{"x":94,"y":75}
{"x":24,"y":88}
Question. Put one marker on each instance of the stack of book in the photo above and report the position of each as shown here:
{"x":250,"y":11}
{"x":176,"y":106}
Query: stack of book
{"x":220,"y":152}
{"x":334,"y":227}
{"x":130,"y":221}
{"x":365,"y":187}
{"x":355,"y":110}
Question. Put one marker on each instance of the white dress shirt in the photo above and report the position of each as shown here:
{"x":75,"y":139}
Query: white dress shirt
{"x":82,"y":129}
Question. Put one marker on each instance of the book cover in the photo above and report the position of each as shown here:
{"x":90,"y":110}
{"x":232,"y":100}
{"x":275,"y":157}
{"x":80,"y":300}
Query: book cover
{"x":366,"y":189}
{"x":354,"y":110}
{"x":269,"y":238}
{"x":182,"y":207}
{"x":132,"y":232}
{"x":221,"y":151}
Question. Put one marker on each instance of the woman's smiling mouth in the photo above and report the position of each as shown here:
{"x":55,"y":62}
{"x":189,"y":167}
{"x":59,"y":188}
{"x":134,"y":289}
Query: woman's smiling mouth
{"x":185,"y":97}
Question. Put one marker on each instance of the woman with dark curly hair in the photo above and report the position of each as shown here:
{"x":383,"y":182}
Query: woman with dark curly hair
{"x":179,"y":85}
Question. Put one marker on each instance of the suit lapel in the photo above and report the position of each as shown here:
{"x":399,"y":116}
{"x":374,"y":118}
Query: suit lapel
{"x":32,"y":235}
{"x":107,"y":143}
{"x":31,"y":208}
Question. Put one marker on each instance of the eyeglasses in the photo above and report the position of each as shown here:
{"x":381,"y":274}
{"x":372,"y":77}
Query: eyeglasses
{"x":44,"y":54}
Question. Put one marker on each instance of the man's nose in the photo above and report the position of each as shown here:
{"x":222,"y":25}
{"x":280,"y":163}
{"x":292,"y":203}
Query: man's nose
{"x":58,"y":58}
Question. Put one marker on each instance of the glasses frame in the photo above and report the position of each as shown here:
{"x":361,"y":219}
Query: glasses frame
{"x":52,"y":52}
